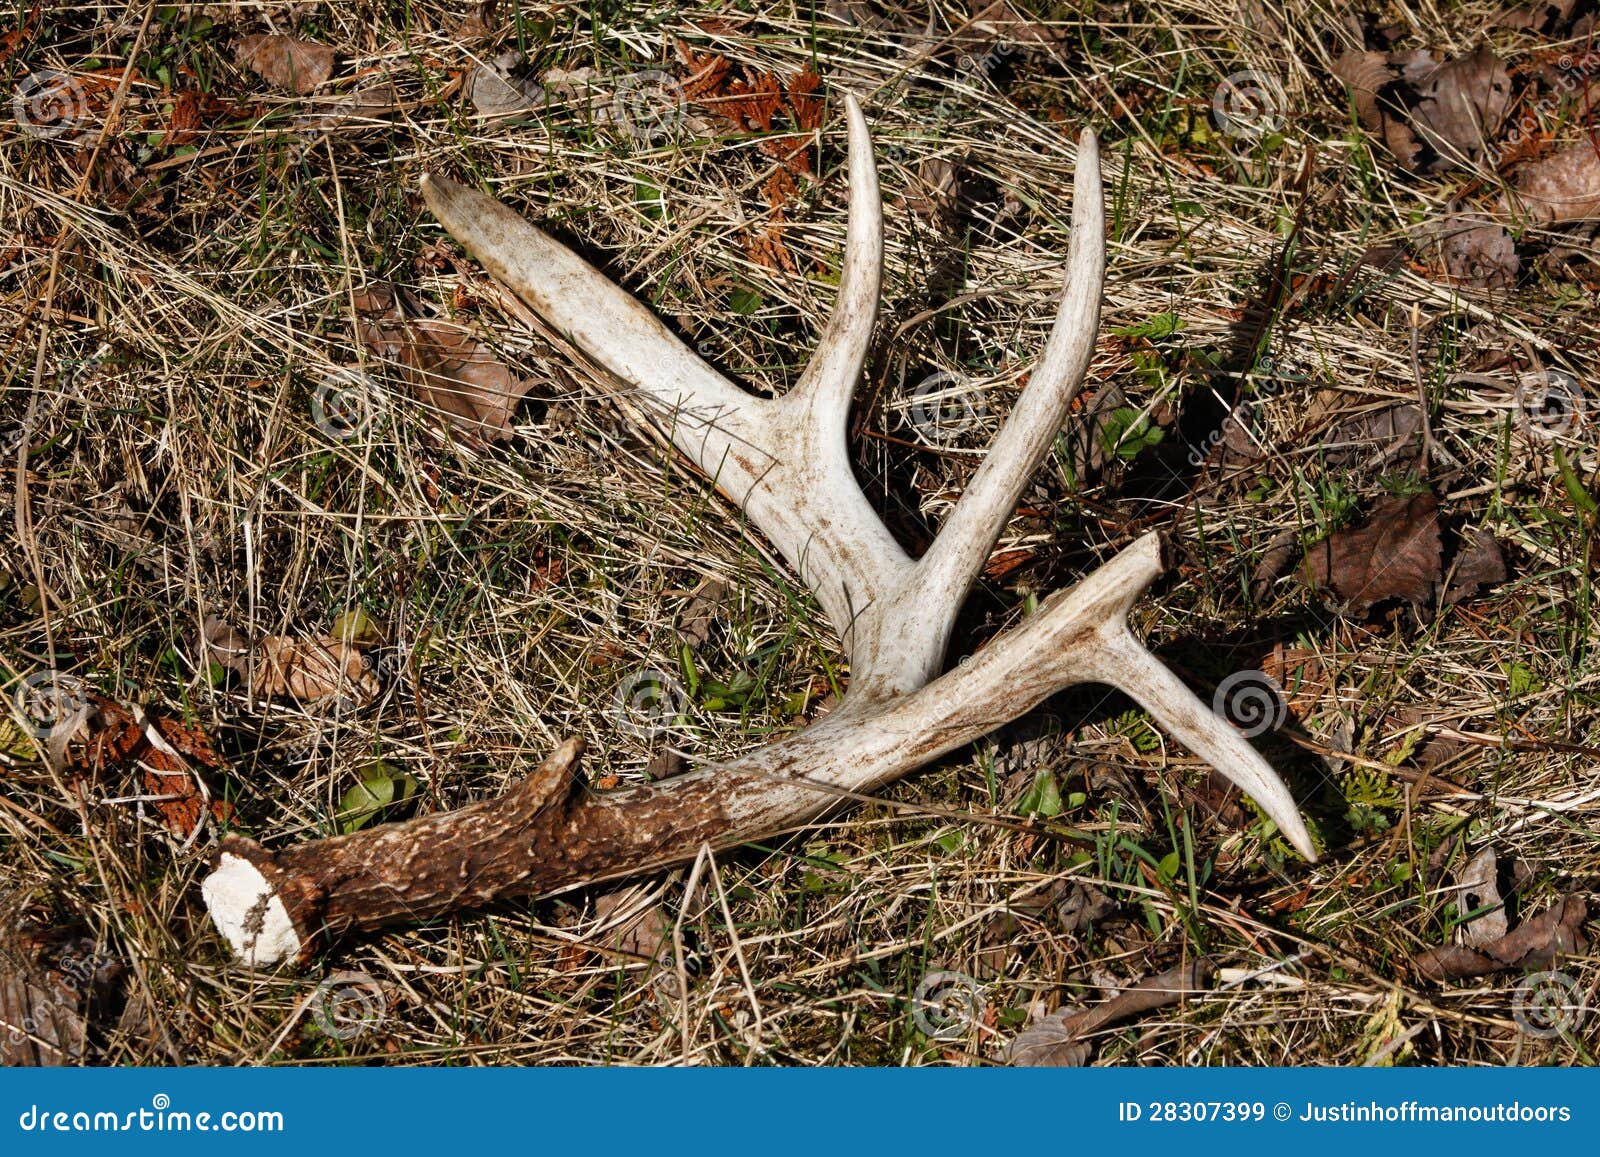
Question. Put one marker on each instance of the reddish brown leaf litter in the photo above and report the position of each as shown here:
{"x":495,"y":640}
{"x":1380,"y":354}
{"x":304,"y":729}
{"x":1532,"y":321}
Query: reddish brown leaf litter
{"x":285,"y":61}
{"x":169,"y":755}
{"x":1395,"y":554}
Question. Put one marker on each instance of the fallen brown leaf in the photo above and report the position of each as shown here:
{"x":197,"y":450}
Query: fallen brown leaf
{"x":1543,"y":16}
{"x":297,"y":65}
{"x":1461,"y":104}
{"x":1480,"y":563}
{"x":1563,"y":187}
{"x":636,"y":924}
{"x":1432,"y":116}
{"x":303,"y":669}
{"x":1275,"y":562}
{"x":1061,"y":1039}
{"x":1472,"y":252}
{"x":1395,"y":553}
{"x":700,"y":614}
{"x":1371,"y":438}
{"x":499,"y":89}
{"x":1538,"y":943}
{"x":448,"y":367}
{"x":1479,"y":887}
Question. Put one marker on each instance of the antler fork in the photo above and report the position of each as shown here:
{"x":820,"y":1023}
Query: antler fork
{"x":785,"y":461}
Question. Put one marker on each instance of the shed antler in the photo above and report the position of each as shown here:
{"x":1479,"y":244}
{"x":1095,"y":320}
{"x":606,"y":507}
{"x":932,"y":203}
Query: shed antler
{"x":785,"y":461}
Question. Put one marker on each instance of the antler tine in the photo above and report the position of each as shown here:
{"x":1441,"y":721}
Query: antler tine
{"x":951,"y":564}
{"x":828,"y":383}
{"x":598,"y":317}
{"x":914,"y":627}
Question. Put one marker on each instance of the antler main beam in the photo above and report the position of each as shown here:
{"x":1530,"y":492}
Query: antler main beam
{"x":786,"y":462}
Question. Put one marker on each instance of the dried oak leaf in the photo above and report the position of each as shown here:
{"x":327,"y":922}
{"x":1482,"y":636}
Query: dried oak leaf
{"x":700,"y":615}
{"x":1275,"y":561}
{"x":1369,"y":78}
{"x":1480,"y":563}
{"x":286,"y":61}
{"x":1540,"y":943}
{"x":373,"y":103}
{"x":1563,"y":187}
{"x":479,"y":21}
{"x":1479,"y":887}
{"x":1372,"y":438}
{"x":1461,"y":105}
{"x":449,"y":368}
{"x":1395,"y":554}
{"x":1062,"y":1038}
{"x":1051,"y":1043}
{"x":1431,"y":116}
{"x":303,"y":669}
{"x":1472,"y":252}
{"x":499,"y":88}
{"x":1543,"y":16}
{"x":632,"y":922}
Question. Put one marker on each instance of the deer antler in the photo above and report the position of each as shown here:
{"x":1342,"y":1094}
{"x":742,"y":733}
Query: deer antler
{"x":785,"y":461}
